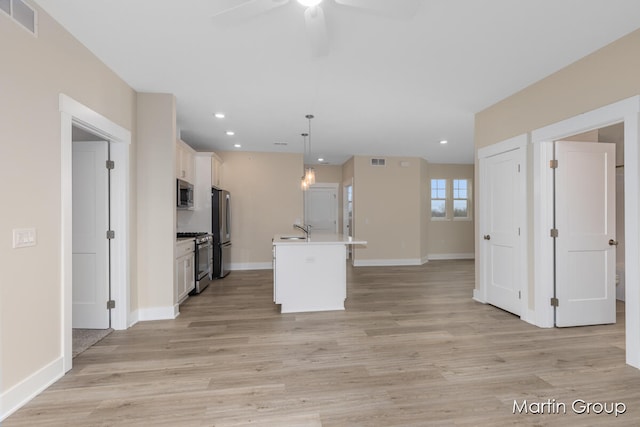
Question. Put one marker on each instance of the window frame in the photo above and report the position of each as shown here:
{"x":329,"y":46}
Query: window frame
{"x":449,"y":200}
{"x":444,"y":199}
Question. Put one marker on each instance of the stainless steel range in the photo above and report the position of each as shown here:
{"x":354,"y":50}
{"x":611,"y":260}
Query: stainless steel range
{"x":203,"y":258}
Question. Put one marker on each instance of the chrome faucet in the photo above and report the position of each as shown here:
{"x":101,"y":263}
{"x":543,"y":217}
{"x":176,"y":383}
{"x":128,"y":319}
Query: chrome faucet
{"x":305,"y":228}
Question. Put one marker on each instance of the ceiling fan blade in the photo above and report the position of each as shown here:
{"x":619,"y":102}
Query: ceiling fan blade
{"x":393,"y":8}
{"x":230,"y":12}
{"x":317,"y":30}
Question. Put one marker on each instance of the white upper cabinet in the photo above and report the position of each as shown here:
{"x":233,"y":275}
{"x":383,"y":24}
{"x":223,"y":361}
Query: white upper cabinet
{"x":185,"y":164}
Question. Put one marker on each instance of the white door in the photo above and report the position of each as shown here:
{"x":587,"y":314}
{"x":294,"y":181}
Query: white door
{"x":500,"y":204}
{"x":321,"y":209}
{"x":585,"y":220}
{"x":347,"y":215}
{"x":90,"y":257}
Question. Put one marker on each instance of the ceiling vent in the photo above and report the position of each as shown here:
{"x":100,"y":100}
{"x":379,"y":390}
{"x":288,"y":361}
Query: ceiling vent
{"x":378,"y":162}
{"x":21,"y":12}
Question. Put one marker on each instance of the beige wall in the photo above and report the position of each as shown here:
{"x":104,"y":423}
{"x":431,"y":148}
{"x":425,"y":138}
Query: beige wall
{"x":448,"y":237}
{"x":387,"y":209}
{"x":34,"y":71}
{"x":266,"y":200}
{"x":602,"y":78}
{"x":156,"y":153}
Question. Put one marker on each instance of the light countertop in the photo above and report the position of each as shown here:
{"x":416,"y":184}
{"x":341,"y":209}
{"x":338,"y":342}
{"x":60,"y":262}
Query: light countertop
{"x":317,"y":239}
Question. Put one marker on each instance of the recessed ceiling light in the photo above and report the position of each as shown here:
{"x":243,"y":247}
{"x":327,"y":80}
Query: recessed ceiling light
{"x":444,"y":141}
{"x":219,"y":115}
{"x":309,"y":3}
{"x":230,"y":133}
{"x":237,"y":145}
{"x":320,"y":159}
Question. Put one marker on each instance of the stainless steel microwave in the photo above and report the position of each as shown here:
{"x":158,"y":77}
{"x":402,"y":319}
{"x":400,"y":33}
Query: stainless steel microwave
{"x":184,"y":195}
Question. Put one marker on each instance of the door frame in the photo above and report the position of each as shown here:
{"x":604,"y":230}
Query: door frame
{"x":331,"y":186}
{"x":628,"y":112}
{"x":73,"y":113}
{"x":516,"y":143}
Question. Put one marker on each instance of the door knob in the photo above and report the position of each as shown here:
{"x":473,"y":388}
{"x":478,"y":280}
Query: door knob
{"x":613,"y":242}
{"x":488,"y":237}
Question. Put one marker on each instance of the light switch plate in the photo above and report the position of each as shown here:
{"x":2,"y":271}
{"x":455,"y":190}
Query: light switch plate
{"x":24,"y":237}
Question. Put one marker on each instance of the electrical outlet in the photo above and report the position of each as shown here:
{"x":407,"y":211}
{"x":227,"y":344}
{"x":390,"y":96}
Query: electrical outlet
{"x":24,"y":237}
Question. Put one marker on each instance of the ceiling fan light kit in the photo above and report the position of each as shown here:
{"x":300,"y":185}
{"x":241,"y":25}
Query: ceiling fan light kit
{"x":309,"y":3}
{"x":314,"y":15}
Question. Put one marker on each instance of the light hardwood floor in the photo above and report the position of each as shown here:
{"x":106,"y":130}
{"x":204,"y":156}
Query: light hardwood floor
{"x":411,"y":349}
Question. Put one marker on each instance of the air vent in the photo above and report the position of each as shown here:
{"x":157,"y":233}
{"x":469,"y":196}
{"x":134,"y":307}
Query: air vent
{"x":281,"y":143}
{"x":378,"y":162}
{"x":21,"y":12}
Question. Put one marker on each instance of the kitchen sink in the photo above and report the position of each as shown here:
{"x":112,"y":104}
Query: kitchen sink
{"x":293,"y":238}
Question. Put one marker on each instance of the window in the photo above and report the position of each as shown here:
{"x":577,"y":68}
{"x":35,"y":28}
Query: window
{"x":439,"y":198}
{"x":450,"y":199}
{"x":460,"y":198}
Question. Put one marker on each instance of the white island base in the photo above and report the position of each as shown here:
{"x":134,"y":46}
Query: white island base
{"x":310,"y":275}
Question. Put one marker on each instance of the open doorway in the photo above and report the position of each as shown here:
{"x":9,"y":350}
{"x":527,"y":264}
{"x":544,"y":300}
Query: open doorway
{"x":627,"y":112}
{"x":613,"y":134}
{"x":91,"y":319}
{"x":75,"y":114}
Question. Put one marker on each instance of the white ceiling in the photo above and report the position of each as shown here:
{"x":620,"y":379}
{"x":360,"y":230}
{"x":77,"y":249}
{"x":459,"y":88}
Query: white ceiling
{"x":388,"y":87}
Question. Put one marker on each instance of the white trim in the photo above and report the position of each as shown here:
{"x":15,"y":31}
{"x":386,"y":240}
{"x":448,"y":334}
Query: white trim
{"x":20,"y":394}
{"x":434,"y":257}
{"x":386,"y":262}
{"x":332,"y":186}
{"x":479,"y":296}
{"x":510,"y":144}
{"x":542,"y":242}
{"x":627,"y":111}
{"x":74,"y":113}
{"x":158,"y":313}
{"x":251,"y":266}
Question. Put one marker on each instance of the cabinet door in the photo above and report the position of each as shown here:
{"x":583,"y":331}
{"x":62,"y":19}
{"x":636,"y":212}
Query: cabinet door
{"x":178,"y":161}
{"x":215,"y":172}
{"x":179,"y":283}
{"x":189,"y":274}
{"x":188,"y":167}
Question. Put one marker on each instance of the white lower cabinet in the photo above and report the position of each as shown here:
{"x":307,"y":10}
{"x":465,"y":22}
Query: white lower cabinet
{"x":185,"y":277}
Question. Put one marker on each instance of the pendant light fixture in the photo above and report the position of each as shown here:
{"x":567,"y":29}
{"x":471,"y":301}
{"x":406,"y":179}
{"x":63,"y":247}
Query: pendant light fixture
{"x":309,"y":177}
{"x":304,"y":184}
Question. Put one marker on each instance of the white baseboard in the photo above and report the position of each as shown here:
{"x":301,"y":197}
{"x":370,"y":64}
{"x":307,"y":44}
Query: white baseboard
{"x":424,"y":260}
{"x":252,"y":266}
{"x":477,"y":296}
{"x":21,"y":393}
{"x":386,"y":262}
{"x":158,"y":313}
{"x":451,"y":256}
{"x":134,"y":317}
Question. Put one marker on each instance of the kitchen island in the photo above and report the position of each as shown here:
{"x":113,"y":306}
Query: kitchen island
{"x":310,"y":274}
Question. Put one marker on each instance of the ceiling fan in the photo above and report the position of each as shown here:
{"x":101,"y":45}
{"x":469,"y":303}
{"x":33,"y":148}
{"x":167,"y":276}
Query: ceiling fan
{"x":234,"y":11}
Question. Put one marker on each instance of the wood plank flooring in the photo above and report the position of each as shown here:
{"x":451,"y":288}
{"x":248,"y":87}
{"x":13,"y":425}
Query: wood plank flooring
{"x":411,"y":349}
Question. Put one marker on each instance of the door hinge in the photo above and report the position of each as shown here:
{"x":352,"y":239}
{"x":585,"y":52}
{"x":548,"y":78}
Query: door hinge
{"x":518,"y":167}
{"x":111,"y":164}
{"x":519,"y":294}
{"x":553,"y":232}
{"x":555,"y":302}
{"x":111,"y":304}
{"x":553,"y":164}
{"x":111,"y":234}
{"x":518,"y":231}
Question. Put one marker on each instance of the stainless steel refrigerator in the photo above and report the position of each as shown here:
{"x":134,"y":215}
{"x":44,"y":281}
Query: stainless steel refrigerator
{"x":221,"y":229}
